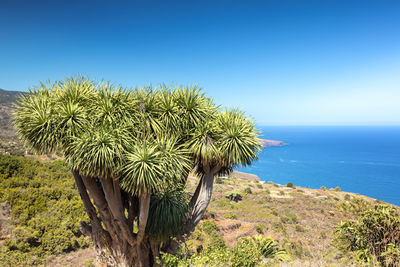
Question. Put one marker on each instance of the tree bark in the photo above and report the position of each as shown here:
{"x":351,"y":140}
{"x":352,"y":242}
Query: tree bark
{"x":144,"y":205}
{"x":101,"y":238}
{"x":102,"y":207}
{"x":199,"y":202}
{"x":113,"y":197}
{"x":110,"y":229}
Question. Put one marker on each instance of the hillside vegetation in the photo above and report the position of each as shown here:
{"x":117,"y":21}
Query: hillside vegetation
{"x":41,"y":209}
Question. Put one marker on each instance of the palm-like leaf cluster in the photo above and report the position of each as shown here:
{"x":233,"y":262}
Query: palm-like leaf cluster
{"x":167,"y":214}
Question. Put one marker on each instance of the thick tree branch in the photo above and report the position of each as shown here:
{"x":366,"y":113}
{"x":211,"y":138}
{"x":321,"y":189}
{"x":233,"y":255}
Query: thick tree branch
{"x":96,"y":230}
{"x":113,"y":197}
{"x":144,"y":205}
{"x":200,"y":199}
{"x":90,"y":210}
{"x":101,"y":204}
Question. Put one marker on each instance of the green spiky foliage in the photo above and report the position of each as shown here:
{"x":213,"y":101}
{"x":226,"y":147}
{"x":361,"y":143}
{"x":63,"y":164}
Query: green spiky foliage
{"x":167,"y":214}
{"x":132,"y":145}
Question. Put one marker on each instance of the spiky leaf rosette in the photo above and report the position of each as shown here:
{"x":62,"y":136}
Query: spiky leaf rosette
{"x":194,"y":107}
{"x":47,"y":117}
{"x":238,"y":142}
{"x":97,"y":152}
{"x":154,"y":166}
{"x":167,"y":213}
{"x":176,"y":157}
{"x":35,"y":119}
{"x":169,"y":113}
{"x":114,"y":105}
{"x":142,"y":169}
{"x":148,"y":112}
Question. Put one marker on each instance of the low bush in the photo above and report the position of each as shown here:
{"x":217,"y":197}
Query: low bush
{"x":356,"y":206}
{"x":290,"y":184}
{"x":230,"y":216}
{"x":247,"y":190}
{"x":233,"y":195}
{"x":260,"y":228}
{"x":219,"y":180}
{"x":373,"y":237}
{"x":249,"y":251}
{"x":289,"y":217}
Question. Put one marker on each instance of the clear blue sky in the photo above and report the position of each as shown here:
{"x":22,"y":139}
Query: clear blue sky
{"x":284,"y":62}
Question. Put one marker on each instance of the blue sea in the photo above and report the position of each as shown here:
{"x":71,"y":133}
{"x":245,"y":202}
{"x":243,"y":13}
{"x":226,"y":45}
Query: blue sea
{"x":360,"y":159}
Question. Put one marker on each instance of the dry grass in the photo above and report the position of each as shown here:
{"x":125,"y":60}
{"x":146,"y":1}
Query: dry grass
{"x":302,"y":219}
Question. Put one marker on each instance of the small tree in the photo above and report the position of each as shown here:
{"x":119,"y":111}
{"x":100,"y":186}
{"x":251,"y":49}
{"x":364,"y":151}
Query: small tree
{"x":131,"y":152}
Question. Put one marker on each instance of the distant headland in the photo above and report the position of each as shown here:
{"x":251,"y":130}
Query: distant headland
{"x":267,"y":143}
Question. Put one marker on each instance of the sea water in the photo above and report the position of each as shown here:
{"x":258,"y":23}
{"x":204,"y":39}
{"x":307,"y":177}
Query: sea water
{"x":363,"y":159}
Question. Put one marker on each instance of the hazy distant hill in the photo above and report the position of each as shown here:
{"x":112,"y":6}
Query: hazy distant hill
{"x":8,"y":141}
{"x":8,"y":97}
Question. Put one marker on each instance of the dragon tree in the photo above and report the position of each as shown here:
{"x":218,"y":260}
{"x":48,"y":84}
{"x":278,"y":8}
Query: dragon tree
{"x":131,"y":153}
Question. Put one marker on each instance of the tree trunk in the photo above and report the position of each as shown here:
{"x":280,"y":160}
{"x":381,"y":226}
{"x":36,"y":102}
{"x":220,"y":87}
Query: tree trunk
{"x":112,"y":234}
{"x":144,"y":205}
{"x":199,"y":202}
{"x":114,"y":211}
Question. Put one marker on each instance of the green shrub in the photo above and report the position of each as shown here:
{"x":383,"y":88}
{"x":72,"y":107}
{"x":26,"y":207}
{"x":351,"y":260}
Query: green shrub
{"x":219,"y":180}
{"x":290,"y":184}
{"x":46,"y":211}
{"x":230,"y":216}
{"x":209,"y":227}
{"x":247,"y":190}
{"x":355,"y":206}
{"x":281,"y":193}
{"x":233,"y":195}
{"x":259,"y":186}
{"x":9,"y":166}
{"x":259,"y":228}
{"x":295,"y":248}
{"x":347,"y":197}
{"x":337,"y":189}
{"x":289,"y":217}
{"x":274,"y":212}
{"x":374,"y":236}
{"x":225,"y":203}
{"x":250,"y":251}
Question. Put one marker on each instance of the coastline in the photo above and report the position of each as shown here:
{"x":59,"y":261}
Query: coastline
{"x":268,"y":143}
